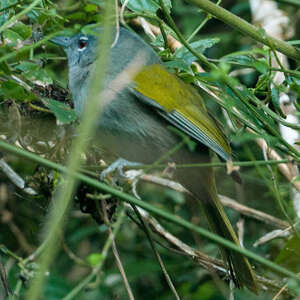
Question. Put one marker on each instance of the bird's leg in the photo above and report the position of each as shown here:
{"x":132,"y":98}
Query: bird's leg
{"x":118,"y":165}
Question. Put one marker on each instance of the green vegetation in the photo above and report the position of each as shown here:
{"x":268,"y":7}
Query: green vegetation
{"x":56,"y":231}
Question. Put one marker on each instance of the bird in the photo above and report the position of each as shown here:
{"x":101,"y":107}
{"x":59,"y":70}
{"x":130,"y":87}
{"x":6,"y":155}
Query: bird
{"x":136,"y":125}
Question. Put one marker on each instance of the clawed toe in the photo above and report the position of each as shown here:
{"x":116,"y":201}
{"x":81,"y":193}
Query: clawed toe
{"x":118,"y":165}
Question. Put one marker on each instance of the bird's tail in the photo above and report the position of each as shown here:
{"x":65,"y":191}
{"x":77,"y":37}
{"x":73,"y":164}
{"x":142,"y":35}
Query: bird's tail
{"x":238,"y":264}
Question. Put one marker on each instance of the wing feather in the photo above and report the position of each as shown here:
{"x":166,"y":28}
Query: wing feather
{"x":176,"y":119}
{"x":181,"y":105}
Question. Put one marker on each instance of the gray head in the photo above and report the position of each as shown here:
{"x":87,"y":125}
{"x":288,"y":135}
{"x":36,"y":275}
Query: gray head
{"x":80,"y":48}
{"x":82,"y":52}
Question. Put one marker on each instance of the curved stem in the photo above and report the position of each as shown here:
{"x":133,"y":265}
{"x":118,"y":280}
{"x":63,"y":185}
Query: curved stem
{"x":154,"y":210}
{"x":246,"y":28}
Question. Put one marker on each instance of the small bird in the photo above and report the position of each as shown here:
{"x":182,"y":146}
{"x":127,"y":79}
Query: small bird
{"x":135,"y":125}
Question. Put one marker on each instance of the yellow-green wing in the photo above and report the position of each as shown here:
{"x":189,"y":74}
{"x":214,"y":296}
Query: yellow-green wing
{"x":181,"y":105}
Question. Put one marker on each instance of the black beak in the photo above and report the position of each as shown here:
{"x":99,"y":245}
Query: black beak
{"x":63,"y":41}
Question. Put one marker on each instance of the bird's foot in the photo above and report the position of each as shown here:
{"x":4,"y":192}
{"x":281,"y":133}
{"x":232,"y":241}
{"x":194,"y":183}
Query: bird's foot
{"x":118,"y":165}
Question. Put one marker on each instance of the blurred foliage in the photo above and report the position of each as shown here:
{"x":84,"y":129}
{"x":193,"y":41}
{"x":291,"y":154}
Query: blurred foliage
{"x":36,"y":113}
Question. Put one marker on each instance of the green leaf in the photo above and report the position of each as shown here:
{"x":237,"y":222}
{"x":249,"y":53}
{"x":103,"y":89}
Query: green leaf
{"x":261,"y":65}
{"x":199,"y":46}
{"x":12,"y":38}
{"x":77,"y":16}
{"x":24,"y":31}
{"x":262,"y":82}
{"x":33,"y":71}
{"x":289,"y":256}
{"x":91,"y":8}
{"x":63,"y":112}
{"x":4,"y":68}
{"x":294,"y":84}
{"x":149,"y":6}
{"x":244,"y":60}
{"x":179,"y":64}
{"x":94,"y":258}
{"x":247,"y":60}
{"x":26,"y":66}
{"x":297,"y":104}
{"x":243,"y":137}
{"x":275,"y":101}
{"x":4,"y":15}
{"x":158,"y":42}
{"x":167,"y":3}
{"x":11,"y":90}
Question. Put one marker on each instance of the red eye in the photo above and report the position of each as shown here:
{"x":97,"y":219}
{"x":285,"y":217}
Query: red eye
{"x":82,"y":43}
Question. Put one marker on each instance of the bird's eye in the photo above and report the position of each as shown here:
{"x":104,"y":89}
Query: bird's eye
{"x":82,"y":42}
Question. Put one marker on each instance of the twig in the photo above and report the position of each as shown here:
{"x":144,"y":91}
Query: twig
{"x":15,"y":178}
{"x":115,"y":250}
{"x":40,"y":108}
{"x":99,"y":266}
{"x":156,"y":211}
{"x":276,"y":191}
{"x":207,"y":262}
{"x":226,"y":201}
{"x":240,"y":226}
{"x":19,"y":236}
{"x":253,"y":213}
{"x":72,"y":255}
{"x":172,"y":42}
{"x":285,"y":169}
{"x":274,"y":234}
{"x":158,"y":257}
{"x":280,"y":292}
{"x":38,"y":251}
{"x":4,"y":279}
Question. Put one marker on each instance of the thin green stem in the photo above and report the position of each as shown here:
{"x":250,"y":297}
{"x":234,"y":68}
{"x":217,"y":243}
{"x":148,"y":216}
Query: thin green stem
{"x":114,"y":245}
{"x":291,"y":2}
{"x":169,"y":153}
{"x":201,"y":25}
{"x":270,"y":128}
{"x":280,"y":203}
{"x":246,"y":28}
{"x":274,"y":115}
{"x":17,"y":290}
{"x":20,"y":14}
{"x":27,"y":48}
{"x":227,"y":80}
{"x":6,"y":251}
{"x":152,"y":209}
{"x":198,"y":28}
{"x":235,"y":163}
{"x":292,"y":72}
{"x":164,"y":35}
{"x":98,"y":268}
{"x":133,"y":15}
{"x":294,"y":42}
{"x":156,"y":253}
{"x":9,"y":6}
{"x":200,"y":57}
{"x":36,"y":253}
{"x":249,"y":163}
{"x":64,"y":194}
